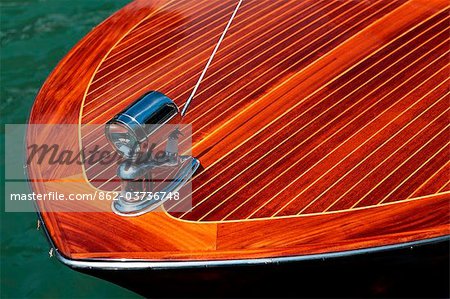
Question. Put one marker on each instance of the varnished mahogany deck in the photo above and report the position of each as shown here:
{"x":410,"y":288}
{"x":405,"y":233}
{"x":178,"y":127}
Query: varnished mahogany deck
{"x":325,"y":121}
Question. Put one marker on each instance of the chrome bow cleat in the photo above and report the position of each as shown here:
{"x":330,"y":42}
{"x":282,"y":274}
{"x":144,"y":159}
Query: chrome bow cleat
{"x":134,"y":134}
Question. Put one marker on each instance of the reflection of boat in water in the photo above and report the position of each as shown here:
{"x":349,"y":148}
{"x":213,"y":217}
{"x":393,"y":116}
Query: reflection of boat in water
{"x":321,"y":128}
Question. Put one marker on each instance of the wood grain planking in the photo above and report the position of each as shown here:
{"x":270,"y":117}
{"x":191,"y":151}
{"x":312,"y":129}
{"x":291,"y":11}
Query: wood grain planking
{"x":265,"y":143}
{"x":78,"y":235}
{"x":300,"y":154}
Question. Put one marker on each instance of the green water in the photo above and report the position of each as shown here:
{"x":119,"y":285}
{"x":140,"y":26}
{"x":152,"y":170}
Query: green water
{"x":35,"y":35}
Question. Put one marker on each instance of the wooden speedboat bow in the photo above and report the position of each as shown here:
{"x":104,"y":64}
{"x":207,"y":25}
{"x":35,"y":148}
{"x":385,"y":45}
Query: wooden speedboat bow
{"x":320,"y":127}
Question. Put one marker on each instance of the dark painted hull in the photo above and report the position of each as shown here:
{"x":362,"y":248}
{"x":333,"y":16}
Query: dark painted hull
{"x":416,"y":271}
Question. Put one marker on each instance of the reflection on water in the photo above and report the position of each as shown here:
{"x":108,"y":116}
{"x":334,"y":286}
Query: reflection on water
{"x":34,"y":36}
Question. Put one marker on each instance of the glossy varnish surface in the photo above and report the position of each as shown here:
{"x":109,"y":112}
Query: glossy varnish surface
{"x":364,"y":138}
{"x":322,"y":114}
